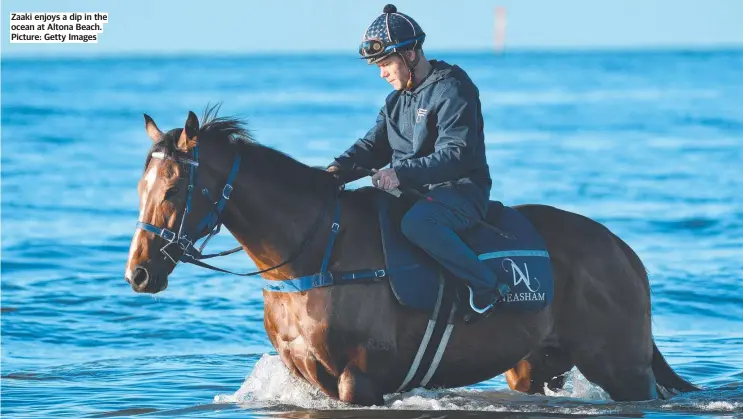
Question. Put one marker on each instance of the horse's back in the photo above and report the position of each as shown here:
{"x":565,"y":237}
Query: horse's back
{"x":577,"y":241}
{"x":601,"y":267}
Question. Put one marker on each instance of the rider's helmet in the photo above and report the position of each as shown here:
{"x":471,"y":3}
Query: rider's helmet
{"x":389,"y":33}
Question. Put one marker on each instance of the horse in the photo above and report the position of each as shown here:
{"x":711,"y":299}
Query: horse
{"x":355,"y":341}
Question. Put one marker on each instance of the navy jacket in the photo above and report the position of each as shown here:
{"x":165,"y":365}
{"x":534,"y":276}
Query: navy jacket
{"x":433,"y":136}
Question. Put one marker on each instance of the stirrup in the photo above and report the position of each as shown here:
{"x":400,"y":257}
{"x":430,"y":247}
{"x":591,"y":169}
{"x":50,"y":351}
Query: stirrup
{"x":472,"y":303}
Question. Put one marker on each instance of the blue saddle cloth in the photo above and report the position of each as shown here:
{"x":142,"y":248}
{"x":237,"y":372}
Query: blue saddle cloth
{"x":522,"y":262}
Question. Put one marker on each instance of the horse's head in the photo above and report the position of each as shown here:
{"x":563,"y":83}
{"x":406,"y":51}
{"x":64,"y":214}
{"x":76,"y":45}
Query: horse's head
{"x":167,"y":192}
{"x":186,"y":187}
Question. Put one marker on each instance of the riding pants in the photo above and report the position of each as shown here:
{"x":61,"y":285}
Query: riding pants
{"x":436,"y":230}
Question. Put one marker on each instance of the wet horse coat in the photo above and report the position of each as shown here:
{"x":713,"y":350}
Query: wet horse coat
{"x":356,"y":341}
{"x":419,"y":282}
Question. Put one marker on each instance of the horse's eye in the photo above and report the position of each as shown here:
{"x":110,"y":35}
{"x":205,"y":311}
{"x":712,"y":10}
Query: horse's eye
{"x":171,"y":192}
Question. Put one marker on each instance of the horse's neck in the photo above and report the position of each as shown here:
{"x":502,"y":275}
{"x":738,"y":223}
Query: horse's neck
{"x":271,"y":220}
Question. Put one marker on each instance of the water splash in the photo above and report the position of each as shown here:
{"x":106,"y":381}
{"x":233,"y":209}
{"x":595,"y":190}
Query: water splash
{"x":270,"y":386}
{"x":577,"y":386}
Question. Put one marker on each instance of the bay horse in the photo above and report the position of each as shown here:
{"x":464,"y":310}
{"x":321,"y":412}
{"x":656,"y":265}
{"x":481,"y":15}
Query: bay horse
{"x":355,"y":342}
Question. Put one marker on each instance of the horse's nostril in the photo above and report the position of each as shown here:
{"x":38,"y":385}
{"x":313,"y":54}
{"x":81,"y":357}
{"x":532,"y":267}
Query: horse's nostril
{"x":140,"y":276}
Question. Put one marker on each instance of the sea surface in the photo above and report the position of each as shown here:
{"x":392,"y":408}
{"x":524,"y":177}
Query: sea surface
{"x":650,"y":143}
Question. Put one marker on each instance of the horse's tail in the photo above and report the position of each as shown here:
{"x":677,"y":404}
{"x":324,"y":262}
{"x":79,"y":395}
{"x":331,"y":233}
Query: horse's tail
{"x":669,"y":382}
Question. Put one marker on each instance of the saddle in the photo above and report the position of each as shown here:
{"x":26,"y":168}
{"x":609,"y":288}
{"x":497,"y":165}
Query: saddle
{"x":521,"y":261}
{"x":516,"y":253}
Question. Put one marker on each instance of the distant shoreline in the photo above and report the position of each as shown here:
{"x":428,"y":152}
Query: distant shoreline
{"x":79,"y":54}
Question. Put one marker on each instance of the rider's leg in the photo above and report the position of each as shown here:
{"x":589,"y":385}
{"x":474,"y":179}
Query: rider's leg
{"x":434,"y":229}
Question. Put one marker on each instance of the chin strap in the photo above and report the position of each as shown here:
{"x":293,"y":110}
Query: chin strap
{"x":411,"y":66}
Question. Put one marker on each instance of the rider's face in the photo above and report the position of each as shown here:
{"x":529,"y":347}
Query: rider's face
{"x":394,"y":70}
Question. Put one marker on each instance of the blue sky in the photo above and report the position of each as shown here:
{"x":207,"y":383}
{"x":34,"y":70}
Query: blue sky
{"x":232,"y":26}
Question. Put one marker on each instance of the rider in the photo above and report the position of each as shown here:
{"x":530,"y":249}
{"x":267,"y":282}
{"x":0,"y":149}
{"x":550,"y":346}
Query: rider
{"x":431,"y":131}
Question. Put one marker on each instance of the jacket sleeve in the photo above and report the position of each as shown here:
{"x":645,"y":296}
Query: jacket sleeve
{"x":459,"y":129}
{"x":372,"y":152}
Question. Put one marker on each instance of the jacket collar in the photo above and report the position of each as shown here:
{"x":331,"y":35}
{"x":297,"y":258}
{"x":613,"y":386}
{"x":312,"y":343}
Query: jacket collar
{"x":439,"y":70}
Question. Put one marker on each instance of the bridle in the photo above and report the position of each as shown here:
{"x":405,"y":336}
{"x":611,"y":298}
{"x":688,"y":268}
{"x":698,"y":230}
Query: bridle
{"x":211,"y":223}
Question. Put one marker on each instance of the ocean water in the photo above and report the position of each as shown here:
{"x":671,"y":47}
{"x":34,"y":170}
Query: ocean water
{"x":650,"y":143}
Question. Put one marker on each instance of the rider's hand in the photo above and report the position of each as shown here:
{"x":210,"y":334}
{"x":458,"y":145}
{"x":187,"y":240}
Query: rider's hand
{"x":385,"y":179}
{"x":335,"y":171}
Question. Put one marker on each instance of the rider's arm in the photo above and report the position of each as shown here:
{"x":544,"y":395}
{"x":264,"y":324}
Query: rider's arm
{"x":459,"y":136}
{"x":371,"y":152}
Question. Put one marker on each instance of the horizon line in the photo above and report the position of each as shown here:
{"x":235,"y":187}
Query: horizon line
{"x":123,"y":54}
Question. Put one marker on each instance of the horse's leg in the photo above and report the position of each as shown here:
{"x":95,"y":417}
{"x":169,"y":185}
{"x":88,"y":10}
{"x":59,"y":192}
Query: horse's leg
{"x":355,"y":386}
{"x":544,"y":366}
{"x":607,"y":322}
{"x":621,"y":383}
{"x":547,"y":364}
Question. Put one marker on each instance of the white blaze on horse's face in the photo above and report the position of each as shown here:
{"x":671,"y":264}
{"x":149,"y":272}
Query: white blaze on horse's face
{"x":146,"y":185}
{"x":160,"y":200}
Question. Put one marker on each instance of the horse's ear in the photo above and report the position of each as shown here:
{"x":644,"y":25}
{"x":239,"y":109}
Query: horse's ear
{"x":190,"y":133}
{"x":152,"y":130}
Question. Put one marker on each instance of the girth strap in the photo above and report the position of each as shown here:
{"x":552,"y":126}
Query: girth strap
{"x":435,"y":338}
{"x":331,"y":241}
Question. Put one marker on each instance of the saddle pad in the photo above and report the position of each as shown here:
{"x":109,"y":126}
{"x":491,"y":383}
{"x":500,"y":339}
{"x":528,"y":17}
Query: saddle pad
{"x":521,"y":262}
{"x":413,"y":275}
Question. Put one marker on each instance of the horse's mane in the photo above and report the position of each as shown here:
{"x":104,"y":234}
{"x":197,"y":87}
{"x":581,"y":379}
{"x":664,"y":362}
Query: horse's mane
{"x":232,"y":132}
